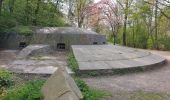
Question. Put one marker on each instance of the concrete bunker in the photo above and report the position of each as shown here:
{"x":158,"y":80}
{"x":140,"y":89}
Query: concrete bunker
{"x":59,"y":38}
{"x":22,"y":44}
{"x":61,"y":46}
{"x":95,"y":43}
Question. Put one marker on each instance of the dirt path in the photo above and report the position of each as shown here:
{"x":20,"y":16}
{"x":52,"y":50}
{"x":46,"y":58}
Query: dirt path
{"x":157,"y":80}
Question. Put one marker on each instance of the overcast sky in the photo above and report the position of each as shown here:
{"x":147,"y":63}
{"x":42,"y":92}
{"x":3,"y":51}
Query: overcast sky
{"x":96,"y":1}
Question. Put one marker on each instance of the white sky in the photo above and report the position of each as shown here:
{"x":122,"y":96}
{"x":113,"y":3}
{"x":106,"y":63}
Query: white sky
{"x":96,"y":1}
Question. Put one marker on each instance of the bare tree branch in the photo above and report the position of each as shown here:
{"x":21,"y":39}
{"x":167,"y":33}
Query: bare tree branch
{"x":120,"y":4}
{"x":163,"y":13}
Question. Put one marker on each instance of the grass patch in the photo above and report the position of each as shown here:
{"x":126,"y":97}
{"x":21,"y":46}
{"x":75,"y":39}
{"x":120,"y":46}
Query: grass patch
{"x":10,"y":89}
{"x":89,"y":93}
{"x":5,"y":78}
{"x":5,"y":81}
{"x":39,"y":57}
{"x":73,"y":63}
{"x":142,"y":95}
{"x":27,"y":91}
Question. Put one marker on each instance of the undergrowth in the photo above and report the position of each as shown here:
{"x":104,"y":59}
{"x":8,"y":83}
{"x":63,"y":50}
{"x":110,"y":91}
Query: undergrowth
{"x":27,"y":91}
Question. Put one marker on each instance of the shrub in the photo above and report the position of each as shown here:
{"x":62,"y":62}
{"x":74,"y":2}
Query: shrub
{"x":51,"y":22}
{"x":88,"y":93}
{"x":6,"y":23}
{"x":28,"y":91}
{"x":164,"y":43}
{"x":22,"y":30}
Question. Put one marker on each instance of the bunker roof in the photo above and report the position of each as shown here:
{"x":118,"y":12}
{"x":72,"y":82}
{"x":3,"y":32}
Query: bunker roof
{"x":63,"y":30}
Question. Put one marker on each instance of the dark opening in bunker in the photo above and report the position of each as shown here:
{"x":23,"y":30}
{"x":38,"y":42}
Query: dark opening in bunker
{"x":95,"y":43}
{"x":22,"y":44}
{"x":61,"y":46}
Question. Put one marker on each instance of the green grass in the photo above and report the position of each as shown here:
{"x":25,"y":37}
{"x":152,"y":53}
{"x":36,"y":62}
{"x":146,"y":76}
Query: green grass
{"x":28,"y":91}
{"x":38,"y":57}
{"x":5,"y":79}
{"x":140,"y":95}
{"x":143,"y":95}
{"x":73,"y":63}
{"x":90,"y":93}
{"x":10,"y":90}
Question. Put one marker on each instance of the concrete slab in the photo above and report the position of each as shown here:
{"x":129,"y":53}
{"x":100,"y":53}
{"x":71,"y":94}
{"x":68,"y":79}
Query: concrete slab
{"x":110,"y":57}
{"x":46,"y":64}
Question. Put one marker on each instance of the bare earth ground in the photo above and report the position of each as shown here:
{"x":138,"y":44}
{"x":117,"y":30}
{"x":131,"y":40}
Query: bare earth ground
{"x":122,"y":86}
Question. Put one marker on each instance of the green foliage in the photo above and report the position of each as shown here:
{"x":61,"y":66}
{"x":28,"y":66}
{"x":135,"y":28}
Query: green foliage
{"x":28,"y":91}
{"x":22,"y":30}
{"x":110,"y":39}
{"x":6,"y":22}
{"x":22,"y":13}
{"x":164,"y":43}
{"x":5,"y":78}
{"x":73,"y":63}
{"x":94,"y":73}
{"x":88,"y":93}
{"x":52,"y":23}
{"x":150,"y":43}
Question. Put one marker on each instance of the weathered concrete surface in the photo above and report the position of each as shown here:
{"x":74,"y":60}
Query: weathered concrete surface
{"x":7,"y":56}
{"x":67,"y":35}
{"x":60,"y":86}
{"x":34,"y":50}
{"x":109,"y":57}
{"x":12,"y":40}
{"x":47,"y":64}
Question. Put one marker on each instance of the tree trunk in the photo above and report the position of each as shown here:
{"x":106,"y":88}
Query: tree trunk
{"x":156,"y":24}
{"x":79,"y":24}
{"x":133,"y":35}
{"x":36,"y":12}
{"x":11,"y":6}
{"x":1,"y":6}
{"x":114,"y":36}
{"x":125,"y":22}
{"x":80,"y":21}
{"x":70,"y":12}
{"x":26,"y":11}
{"x":124,"y":30}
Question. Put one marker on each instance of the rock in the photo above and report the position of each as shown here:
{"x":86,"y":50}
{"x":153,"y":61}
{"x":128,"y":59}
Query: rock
{"x":61,"y":86}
